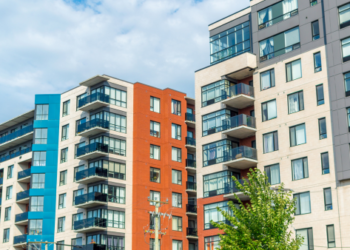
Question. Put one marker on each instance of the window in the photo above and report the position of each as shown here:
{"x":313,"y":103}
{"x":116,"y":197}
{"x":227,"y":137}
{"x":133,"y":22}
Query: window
{"x":297,"y":135}
{"x":40,"y":136}
{"x":253,"y":144}
{"x":79,"y":122}
{"x":269,"y":110}
{"x":35,"y":227}
{"x":77,"y":146}
{"x":155,"y":129}
{"x":77,"y":241}
{"x":77,"y":193}
{"x":7,"y":214}
{"x":319,"y":94}
{"x":346,"y":49}
{"x":176,"y":154}
{"x":325,"y":163}
{"x":77,"y":169}
{"x":295,"y":102}
{"x":61,"y":224}
{"x":114,"y":169}
{"x":42,"y":112}
{"x":152,"y":246}
{"x":154,"y":196}
{"x":77,"y":217}
{"x":10,"y":172}
{"x":327,"y":192}
{"x":115,"y":219}
{"x":277,"y":13}
{"x":155,"y":152}
{"x":267,"y":79}
{"x":176,"y":177}
{"x":322,"y":128}
{"x":36,"y":203}
{"x":153,"y":221}
{"x":300,"y":169}
{"x":279,"y":44}
{"x":347,"y":83}
{"x":215,"y":92}
{"x":177,"y":200}
{"x":212,"y":242}
{"x":230,"y":43}
{"x":60,"y":245}
{"x":177,"y":223}
{"x":217,"y":152}
{"x":176,"y":107}
{"x":293,"y":70}
{"x":39,"y":158}
{"x":38,"y":180}
{"x":344,"y":15}
{"x":155,"y":104}
{"x":212,"y":214}
{"x":308,"y":243}
{"x":8,"y":192}
{"x":177,"y":245}
{"x":155,"y":175}
{"x":6,"y":237}
{"x":273,"y":173}
{"x":66,"y":107}
{"x":303,"y":203}
{"x":214,"y":122}
{"x":218,"y":183}
{"x":315,"y":30}
{"x":65,"y":132}
{"x":64,"y":155}
{"x":62,"y":201}
{"x":317,"y":62}
{"x":63,"y":177}
{"x":109,"y":120}
{"x":116,"y":97}
{"x":175,"y":131}
{"x":81,"y":100}
{"x":270,"y":142}
{"x":252,"y":113}
{"x":330,"y":236}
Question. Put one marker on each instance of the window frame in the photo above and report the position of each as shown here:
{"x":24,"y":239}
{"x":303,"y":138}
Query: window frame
{"x":300,"y":104}
{"x":43,"y":116}
{"x":301,"y":71}
{"x":6,"y":235}
{"x":272,"y":79}
{"x":153,"y":172}
{"x":324,"y":135}
{"x":36,"y":228}
{"x":66,"y":129}
{"x":322,"y":163}
{"x":179,"y":199}
{"x":178,"y":223}
{"x":7,"y":215}
{"x":40,"y":161}
{"x":319,"y":101}
{"x":178,"y":175}
{"x":154,"y":132}
{"x":290,"y":135}
{"x":178,"y":155}
{"x":275,"y":145}
{"x":37,"y":204}
{"x":152,"y":147}
{"x":41,"y":140}
{"x":32,"y":183}
{"x":178,"y":106}
{"x":152,"y":104}
{"x":66,"y":108}
{"x":64,"y":155}
{"x":305,"y":168}
{"x":328,"y":241}
{"x":268,"y":173}
{"x":346,"y":23}
{"x":345,"y":59}
{"x":177,"y":129}
{"x":63,"y":177}
{"x":9,"y":192}
{"x":298,"y":195}
{"x":10,"y":172}
{"x":317,"y":36}
{"x":327,"y":206}
{"x":310,"y":241}
{"x":267,"y":113}
{"x":61,"y":220}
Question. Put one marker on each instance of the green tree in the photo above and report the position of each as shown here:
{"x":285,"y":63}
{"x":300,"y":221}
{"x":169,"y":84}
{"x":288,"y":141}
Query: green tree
{"x":262,"y":223}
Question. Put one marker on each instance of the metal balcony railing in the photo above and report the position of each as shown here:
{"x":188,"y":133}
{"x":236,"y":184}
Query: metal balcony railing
{"x":93,"y":124}
{"x":18,"y":153}
{"x":97,"y":146}
{"x":24,"y":174}
{"x":238,"y":120}
{"x":90,"y":222}
{"x":233,"y":154}
{"x":191,"y":208}
{"x":16,"y":134}
{"x":92,"y":98}
{"x":91,"y":172}
{"x":190,"y":163}
{"x":190,"y":141}
{"x":96,"y":196}
{"x":190,"y":117}
{"x":192,"y":231}
{"x":191,"y":185}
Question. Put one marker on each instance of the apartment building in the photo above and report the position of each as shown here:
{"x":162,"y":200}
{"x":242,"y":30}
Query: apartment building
{"x":81,"y":168}
{"x":275,"y":97}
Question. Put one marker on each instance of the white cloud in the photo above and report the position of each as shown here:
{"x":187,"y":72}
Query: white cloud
{"x":49,"y":46}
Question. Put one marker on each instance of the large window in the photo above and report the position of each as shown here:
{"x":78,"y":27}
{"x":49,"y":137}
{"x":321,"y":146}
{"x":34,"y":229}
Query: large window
{"x":115,"y":194}
{"x":63,"y":177}
{"x":77,"y":193}
{"x":269,"y":110}
{"x":346,"y":49}
{"x":177,"y":245}
{"x":293,"y":70}
{"x":212,"y":214}
{"x":273,"y":173}
{"x":39,"y":158}
{"x":42,"y":112}
{"x":176,"y":107}
{"x":35,"y":227}
{"x":177,"y":223}
{"x":297,"y":135}
{"x":64,"y":155}
{"x":217,"y":152}
{"x":215,"y":92}
{"x":322,"y":128}
{"x":230,"y":43}
{"x":6,"y":237}
{"x":114,"y":169}
{"x":267,"y":79}
{"x":317,"y":62}
{"x":270,"y":141}
{"x":155,"y":104}
{"x":300,"y":169}
{"x":155,"y":175}
{"x":40,"y":136}
{"x":279,"y":44}
{"x":66,"y":108}
{"x":315,"y":30}
{"x":78,"y":169}
{"x":62,"y":201}
{"x":176,"y":154}
{"x":327,"y":193}
{"x":212,"y":242}
{"x":10,"y":171}
{"x":347,"y":83}
{"x":277,"y":13}
{"x":155,"y":129}
{"x":175,"y":131}
{"x":308,"y":243}
{"x":325,"y":163}
{"x":80,"y":97}
{"x":115,"y":146}
{"x":38,"y":180}
{"x":176,"y":177}
{"x":115,"y":122}
{"x":330,"y":236}
{"x":218,"y":183}
{"x":295,"y":102}
{"x":155,"y":152}
{"x":7,"y":214}
{"x":8,"y":192}
{"x":344,"y":15}
{"x":213,"y":122}
{"x":303,"y":203}
{"x":116,"y":97}
{"x":60,"y":245}
{"x":319,"y":94}
{"x":177,"y":200}
{"x":37,"y":203}
{"x":154,"y":196}
{"x":61,"y":224}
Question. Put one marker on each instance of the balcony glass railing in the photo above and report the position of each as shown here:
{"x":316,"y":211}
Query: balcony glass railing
{"x":96,"y":196}
{"x":237,"y":121}
{"x":91,"y":148}
{"x":192,"y":231}
{"x":190,"y":117}
{"x":16,"y":134}
{"x":1,"y":181}
{"x":190,"y":185}
{"x":93,"y":124}
{"x":16,"y":154}
{"x":95,"y":247}
{"x":190,"y":141}
{"x":90,"y":222}
{"x":240,"y":89}
{"x":22,"y":195}
{"x":90,"y":172}
{"x":230,"y":155}
{"x":0,"y":201}
{"x":92,"y":98}
{"x":190,"y":163}
{"x":191,"y":208}
{"x":21,"y":217}
{"x":24,"y":174}
{"x":20,"y":239}
{"x":278,"y":19}
{"x":227,"y":188}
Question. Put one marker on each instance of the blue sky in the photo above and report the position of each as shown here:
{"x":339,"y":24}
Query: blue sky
{"x":49,"y":46}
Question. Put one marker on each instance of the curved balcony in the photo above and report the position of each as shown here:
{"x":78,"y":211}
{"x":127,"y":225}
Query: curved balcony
{"x":93,"y":127}
{"x":90,"y":175}
{"x":191,"y":209}
{"x":20,"y":240}
{"x":190,"y":143}
{"x":23,"y":197}
{"x":190,"y":120}
{"x":239,"y":96}
{"x":24,"y":176}
{"x":94,"y":101}
{"x":90,"y":200}
{"x":92,"y":151}
{"x":240,"y":126}
{"x":21,"y":219}
{"x":90,"y":225}
{"x":21,"y":136}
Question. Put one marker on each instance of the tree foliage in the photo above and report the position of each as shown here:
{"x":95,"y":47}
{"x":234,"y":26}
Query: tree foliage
{"x":262,"y":223}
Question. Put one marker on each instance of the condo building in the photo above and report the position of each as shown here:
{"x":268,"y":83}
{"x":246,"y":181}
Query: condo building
{"x":275,"y":97}
{"x":81,"y":168}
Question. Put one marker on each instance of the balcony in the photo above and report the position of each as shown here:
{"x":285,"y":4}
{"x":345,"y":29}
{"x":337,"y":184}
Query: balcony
{"x":192,"y":233}
{"x":95,"y":247}
{"x":190,"y":143}
{"x":228,"y":190}
{"x":21,"y":219}
{"x":14,"y":155}
{"x":191,"y":187}
{"x":90,"y":225}
{"x":190,"y":120}
{"x":16,"y":138}
{"x":24,"y":176}
{"x":20,"y":240}
{"x":190,"y":165}
{"x":90,"y":200}
{"x":92,"y":151}
{"x":278,"y":19}
{"x":91,"y":175}
{"x":94,"y":101}
{"x":191,"y":209}
{"x":93,"y":127}
{"x":240,"y":126}
{"x":239,"y":96}
{"x":23,"y":197}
